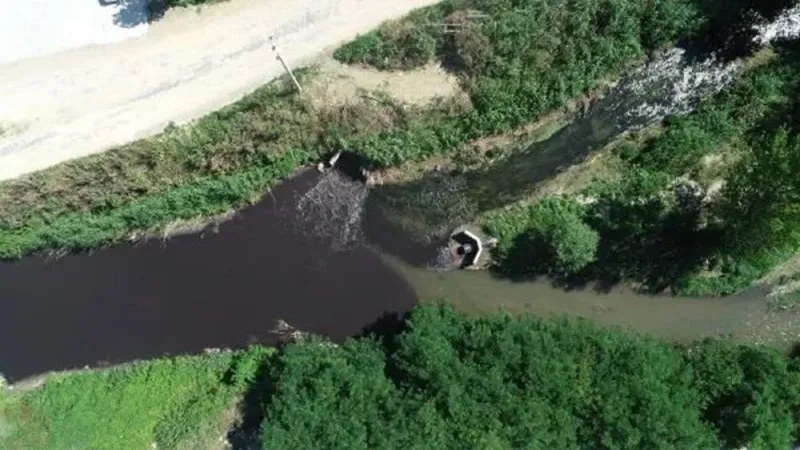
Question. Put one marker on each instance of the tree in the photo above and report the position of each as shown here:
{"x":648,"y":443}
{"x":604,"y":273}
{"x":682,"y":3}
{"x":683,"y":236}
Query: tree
{"x":453,"y":380}
{"x":549,"y":237}
{"x":749,"y":394}
{"x":762,"y":195}
{"x":328,"y":397}
{"x":569,"y":242}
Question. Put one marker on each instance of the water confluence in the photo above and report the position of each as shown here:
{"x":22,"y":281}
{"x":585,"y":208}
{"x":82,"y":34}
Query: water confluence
{"x":297,"y":256}
{"x":306,"y":255}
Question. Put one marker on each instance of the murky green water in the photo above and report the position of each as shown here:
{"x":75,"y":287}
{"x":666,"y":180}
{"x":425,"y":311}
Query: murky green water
{"x":744,"y":318}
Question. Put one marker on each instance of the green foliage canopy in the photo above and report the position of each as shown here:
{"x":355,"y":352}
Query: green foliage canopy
{"x":458,"y":381}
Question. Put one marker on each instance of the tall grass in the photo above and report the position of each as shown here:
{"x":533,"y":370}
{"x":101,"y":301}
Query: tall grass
{"x":204,"y":197}
{"x":167,"y":403}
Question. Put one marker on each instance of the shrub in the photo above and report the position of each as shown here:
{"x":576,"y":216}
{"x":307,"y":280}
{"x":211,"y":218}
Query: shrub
{"x":453,"y":380}
{"x":399,"y":45}
{"x":550,"y":236}
{"x":166,"y":402}
{"x":571,"y":242}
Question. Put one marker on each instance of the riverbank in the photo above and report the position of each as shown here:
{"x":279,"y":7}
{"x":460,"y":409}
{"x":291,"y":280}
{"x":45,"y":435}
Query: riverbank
{"x":227,"y":160}
{"x":383,"y":393}
{"x":67,"y":206}
{"x":182,"y":402}
{"x":295,"y":256}
{"x":642,"y":180}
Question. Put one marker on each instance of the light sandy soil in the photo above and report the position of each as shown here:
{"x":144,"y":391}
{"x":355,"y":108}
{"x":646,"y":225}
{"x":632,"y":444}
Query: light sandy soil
{"x":191,"y":62}
{"x":340,"y":83}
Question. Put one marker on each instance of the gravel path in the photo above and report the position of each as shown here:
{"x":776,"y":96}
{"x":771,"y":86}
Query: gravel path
{"x":85,"y":101}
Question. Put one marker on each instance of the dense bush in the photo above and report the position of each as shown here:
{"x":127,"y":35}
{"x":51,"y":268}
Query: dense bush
{"x":741,"y":387}
{"x":528,"y":58}
{"x":168,"y":403}
{"x":456,"y":381}
{"x":526,"y":35}
{"x":760,"y":214}
{"x":549,"y":236}
{"x":395,"y":46}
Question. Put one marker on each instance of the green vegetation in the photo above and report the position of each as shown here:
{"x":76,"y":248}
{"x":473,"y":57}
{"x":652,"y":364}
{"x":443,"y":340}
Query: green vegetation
{"x":204,"y":197}
{"x":172,"y":403}
{"x":550,"y":236}
{"x":447,"y":380}
{"x":101,"y":199}
{"x":662,"y":235}
{"x":454,"y":381}
{"x":528,"y":58}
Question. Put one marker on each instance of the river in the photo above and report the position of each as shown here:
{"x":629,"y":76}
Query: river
{"x":297,"y":256}
{"x":307,"y":254}
{"x":192,"y":292}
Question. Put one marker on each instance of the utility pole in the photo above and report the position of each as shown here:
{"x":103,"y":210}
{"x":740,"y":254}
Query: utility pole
{"x":286,"y":67}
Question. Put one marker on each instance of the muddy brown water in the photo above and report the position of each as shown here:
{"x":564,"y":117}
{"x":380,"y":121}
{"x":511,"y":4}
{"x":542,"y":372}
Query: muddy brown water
{"x":191,"y":292}
{"x":743,"y":318}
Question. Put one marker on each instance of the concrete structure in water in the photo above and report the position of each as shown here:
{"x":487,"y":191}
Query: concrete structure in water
{"x":468,"y":248}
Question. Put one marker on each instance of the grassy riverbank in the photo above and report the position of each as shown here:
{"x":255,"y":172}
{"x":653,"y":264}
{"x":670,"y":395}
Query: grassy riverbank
{"x":728,"y":221}
{"x":442,"y":380}
{"x":228,"y":158}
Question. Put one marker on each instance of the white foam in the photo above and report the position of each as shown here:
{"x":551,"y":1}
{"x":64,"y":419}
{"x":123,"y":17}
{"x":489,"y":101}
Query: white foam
{"x":673,"y":84}
{"x":786,"y":26}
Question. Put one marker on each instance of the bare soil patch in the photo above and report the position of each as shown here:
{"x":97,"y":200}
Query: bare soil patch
{"x":338,"y":83}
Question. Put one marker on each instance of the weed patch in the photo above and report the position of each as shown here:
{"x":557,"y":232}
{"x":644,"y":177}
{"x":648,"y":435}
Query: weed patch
{"x":163,"y":402}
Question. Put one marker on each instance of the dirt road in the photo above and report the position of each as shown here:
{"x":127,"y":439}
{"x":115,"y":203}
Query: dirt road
{"x":189,"y":63}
